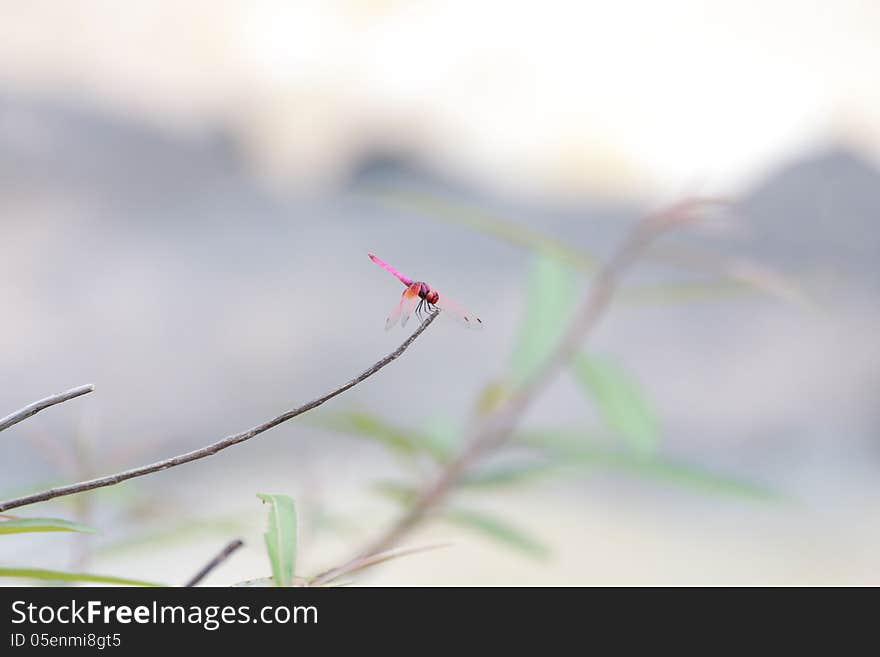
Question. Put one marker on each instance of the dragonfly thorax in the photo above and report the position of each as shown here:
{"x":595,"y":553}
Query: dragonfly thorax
{"x":426,"y":293}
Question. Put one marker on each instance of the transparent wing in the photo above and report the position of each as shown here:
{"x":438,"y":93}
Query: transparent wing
{"x":408,"y":301}
{"x":463,"y":315}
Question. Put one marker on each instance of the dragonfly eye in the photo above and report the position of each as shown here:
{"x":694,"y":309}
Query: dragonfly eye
{"x":432,"y":297}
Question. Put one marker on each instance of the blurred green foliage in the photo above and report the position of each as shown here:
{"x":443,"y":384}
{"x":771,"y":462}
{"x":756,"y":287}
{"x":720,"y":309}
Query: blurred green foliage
{"x":550,"y":292}
{"x":499,"y":530}
{"x":619,"y":400}
{"x":55,"y":576}
{"x":628,"y":441}
{"x":17,"y":525}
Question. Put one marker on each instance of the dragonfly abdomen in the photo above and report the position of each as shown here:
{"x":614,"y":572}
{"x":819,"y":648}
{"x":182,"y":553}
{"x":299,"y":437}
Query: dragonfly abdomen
{"x":384,"y":265}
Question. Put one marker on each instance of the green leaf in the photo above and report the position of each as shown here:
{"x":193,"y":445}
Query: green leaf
{"x":322,"y":520}
{"x":369,"y":425}
{"x":548,"y":308}
{"x":477,"y":219}
{"x":61,"y":576}
{"x":571,"y":449}
{"x":684,"y":291}
{"x":619,"y":400}
{"x":26,"y":525}
{"x":441,"y":436}
{"x":739,"y":274}
{"x":395,"y":490}
{"x":281,"y":537}
{"x":492,"y":396}
{"x":153,"y":539}
{"x":508,"y":475}
{"x":498,"y":530}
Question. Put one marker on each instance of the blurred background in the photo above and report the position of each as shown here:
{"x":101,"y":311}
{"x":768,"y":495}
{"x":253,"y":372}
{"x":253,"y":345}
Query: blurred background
{"x":188,"y":191}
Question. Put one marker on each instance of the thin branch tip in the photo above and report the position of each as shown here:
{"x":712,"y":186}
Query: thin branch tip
{"x":222,"y":556}
{"x":41,"y":404}
{"x":209,"y":450}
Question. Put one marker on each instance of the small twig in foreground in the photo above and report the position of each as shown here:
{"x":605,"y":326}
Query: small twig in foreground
{"x":37,"y":406}
{"x":368,"y":560}
{"x":212,"y":449}
{"x":224,"y":554}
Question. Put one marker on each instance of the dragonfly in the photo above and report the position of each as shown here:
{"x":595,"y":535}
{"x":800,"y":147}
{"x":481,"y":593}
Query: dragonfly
{"x":420,"y":297}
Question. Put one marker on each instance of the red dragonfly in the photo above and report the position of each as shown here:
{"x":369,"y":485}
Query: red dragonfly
{"x":420,"y":297}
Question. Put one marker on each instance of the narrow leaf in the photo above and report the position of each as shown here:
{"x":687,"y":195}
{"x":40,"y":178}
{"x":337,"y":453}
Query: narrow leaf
{"x":27,"y":525}
{"x":619,"y":400}
{"x":736,"y":270}
{"x":394,"y":490}
{"x":281,"y":537}
{"x":153,"y":539}
{"x":448,"y":211}
{"x":571,"y":449}
{"x":373,"y":427}
{"x":441,"y":436}
{"x":684,"y":291}
{"x":757,"y":277}
{"x":509,"y":475}
{"x":61,"y":576}
{"x":548,"y":307}
{"x":498,"y":530}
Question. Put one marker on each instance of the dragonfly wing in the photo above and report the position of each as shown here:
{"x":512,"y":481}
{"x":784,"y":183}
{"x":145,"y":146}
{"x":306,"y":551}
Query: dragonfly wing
{"x":463,"y":315}
{"x":408,"y":300}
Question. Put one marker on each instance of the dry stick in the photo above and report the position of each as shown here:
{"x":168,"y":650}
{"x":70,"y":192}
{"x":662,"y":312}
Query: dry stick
{"x":37,"y":406}
{"x":496,"y":428}
{"x":369,"y":560}
{"x":212,"y":449}
{"x":224,"y":554}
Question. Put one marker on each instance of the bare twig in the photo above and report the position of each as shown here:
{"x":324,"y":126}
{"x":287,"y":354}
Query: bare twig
{"x":220,"y":445}
{"x":494,"y":429}
{"x":223,"y":555}
{"x":37,"y":406}
{"x":366,"y":561}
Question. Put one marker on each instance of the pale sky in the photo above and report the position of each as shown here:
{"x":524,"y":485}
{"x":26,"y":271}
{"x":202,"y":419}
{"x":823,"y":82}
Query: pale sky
{"x":624,"y":98}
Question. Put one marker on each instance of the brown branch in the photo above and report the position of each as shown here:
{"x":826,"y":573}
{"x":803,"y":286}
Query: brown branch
{"x":37,"y":406}
{"x":497,"y":427}
{"x":222,"y":556}
{"x":210,"y":450}
{"x":367,"y":561}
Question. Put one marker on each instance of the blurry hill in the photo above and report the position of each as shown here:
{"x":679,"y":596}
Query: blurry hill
{"x":822,"y":211}
{"x":819,"y":211}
